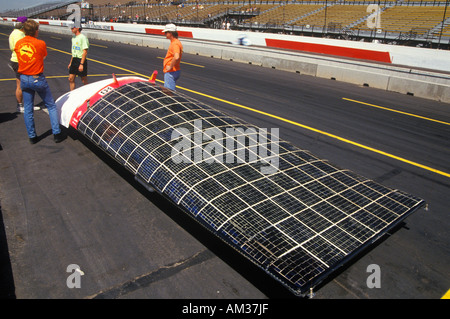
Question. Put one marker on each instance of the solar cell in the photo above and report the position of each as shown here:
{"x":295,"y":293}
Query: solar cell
{"x":299,"y":223}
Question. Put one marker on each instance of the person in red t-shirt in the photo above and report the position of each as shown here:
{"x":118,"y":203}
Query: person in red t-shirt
{"x":173,"y":57}
{"x":31,"y":53}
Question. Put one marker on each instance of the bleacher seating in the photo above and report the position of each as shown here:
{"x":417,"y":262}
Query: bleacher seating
{"x":283,"y":13}
{"x":40,"y":8}
{"x":410,"y":18}
{"x":337,"y":14}
{"x":397,"y":17}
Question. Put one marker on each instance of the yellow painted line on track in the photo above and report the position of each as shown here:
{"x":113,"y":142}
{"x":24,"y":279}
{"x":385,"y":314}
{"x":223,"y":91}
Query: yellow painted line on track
{"x":397,"y":111}
{"x":104,"y":63}
{"x":398,"y":158}
{"x":12,"y":79}
{"x":98,"y":45}
{"x":182,"y":62}
{"x":66,"y":76}
{"x":59,"y":50}
{"x":197,"y":65}
{"x":326,"y":134}
{"x":447,"y":295}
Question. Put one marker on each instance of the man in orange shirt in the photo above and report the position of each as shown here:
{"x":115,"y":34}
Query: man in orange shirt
{"x":173,"y":57}
{"x":31,"y":53}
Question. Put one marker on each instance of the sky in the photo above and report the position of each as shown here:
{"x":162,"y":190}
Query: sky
{"x":20,"y":4}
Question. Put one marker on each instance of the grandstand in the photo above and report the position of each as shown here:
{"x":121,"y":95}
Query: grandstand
{"x":423,"y":23}
{"x":36,"y":10}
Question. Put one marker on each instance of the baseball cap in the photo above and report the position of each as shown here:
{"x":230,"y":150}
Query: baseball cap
{"x":21,"y":19}
{"x":170,"y":28}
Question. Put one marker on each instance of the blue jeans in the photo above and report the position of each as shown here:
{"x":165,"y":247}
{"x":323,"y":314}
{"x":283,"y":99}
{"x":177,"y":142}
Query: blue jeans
{"x":31,"y":84}
{"x":170,"y":79}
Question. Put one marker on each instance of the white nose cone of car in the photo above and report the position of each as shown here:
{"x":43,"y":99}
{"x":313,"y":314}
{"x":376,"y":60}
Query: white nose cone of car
{"x":72,"y":105}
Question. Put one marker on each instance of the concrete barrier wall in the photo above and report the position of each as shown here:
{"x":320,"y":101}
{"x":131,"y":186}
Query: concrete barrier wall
{"x":428,"y":84}
{"x":409,"y":56}
{"x":432,"y":59}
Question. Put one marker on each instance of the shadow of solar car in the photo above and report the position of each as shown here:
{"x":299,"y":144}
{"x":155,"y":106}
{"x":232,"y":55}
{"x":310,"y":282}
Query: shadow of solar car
{"x":300,"y":221}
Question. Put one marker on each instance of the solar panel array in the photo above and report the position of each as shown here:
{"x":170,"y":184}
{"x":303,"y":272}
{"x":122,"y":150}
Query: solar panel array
{"x":298,"y":224}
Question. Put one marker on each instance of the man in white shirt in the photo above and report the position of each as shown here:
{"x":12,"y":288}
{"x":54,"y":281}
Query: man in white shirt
{"x":78,"y":62}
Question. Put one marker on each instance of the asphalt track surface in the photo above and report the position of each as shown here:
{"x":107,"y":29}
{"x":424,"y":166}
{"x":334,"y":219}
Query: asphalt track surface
{"x":68,"y":203}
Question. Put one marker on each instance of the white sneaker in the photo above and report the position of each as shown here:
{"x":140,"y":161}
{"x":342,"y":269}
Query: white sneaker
{"x":36,"y":108}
